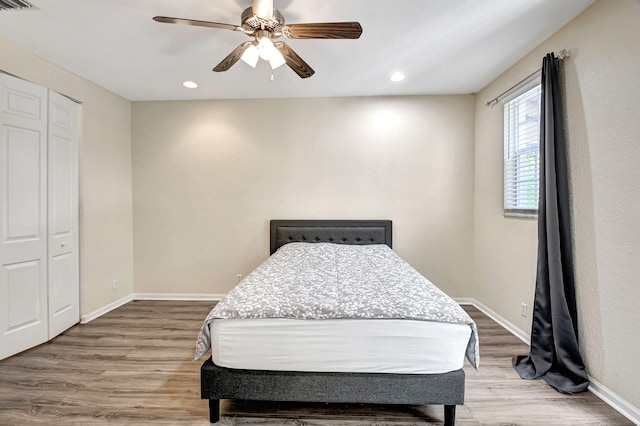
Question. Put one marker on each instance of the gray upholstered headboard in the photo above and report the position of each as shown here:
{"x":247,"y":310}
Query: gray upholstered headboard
{"x":357,"y":232}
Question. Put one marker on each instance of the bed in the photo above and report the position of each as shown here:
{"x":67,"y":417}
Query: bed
{"x":232,"y":374}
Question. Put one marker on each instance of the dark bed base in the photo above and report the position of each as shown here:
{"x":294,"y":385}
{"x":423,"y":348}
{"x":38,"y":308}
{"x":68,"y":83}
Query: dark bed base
{"x":414,"y":389}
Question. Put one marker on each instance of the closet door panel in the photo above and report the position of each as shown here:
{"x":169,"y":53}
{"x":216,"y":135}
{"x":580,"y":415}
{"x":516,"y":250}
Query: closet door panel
{"x":22,"y":282}
{"x":22,"y":183}
{"x":23,"y":210}
{"x":64,"y":136}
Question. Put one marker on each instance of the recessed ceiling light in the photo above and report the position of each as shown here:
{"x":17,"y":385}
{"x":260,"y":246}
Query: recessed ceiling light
{"x":190,"y":84}
{"x":397,"y":76}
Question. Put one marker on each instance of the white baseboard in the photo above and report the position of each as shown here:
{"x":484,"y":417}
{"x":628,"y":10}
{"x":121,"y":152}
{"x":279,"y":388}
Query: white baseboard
{"x":147,"y":296}
{"x":108,"y":308}
{"x":177,"y":296}
{"x":615,"y":401}
{"x":607,"y":395}
{"x":520,"y":334}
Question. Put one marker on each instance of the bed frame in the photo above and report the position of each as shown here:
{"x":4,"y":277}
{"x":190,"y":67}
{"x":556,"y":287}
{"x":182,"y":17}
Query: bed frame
{"x":373,"y":388}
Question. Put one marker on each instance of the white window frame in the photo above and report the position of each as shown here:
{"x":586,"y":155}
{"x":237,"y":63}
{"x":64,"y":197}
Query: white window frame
{"x":521,"y":140}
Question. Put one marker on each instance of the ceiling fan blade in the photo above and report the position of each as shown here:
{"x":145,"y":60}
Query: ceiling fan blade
{"x":294,"y":61}
{"x":232,"y":57}
{"x":350,"y":30}
{"x":169,"y":20}
{"x":263,"y":9}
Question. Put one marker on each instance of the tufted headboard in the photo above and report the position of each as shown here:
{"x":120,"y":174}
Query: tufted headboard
{"x":357,"y":232}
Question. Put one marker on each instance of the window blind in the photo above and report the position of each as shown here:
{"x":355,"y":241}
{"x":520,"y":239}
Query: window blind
{"x":522,"y":153}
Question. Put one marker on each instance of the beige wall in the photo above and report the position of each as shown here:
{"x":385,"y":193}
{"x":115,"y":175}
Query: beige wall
{"x":209,"y":175}
{"x":603,"y":93}
{"x":105,"y":177}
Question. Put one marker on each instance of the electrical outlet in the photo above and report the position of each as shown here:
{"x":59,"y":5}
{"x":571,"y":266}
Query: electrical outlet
{"x":114,"y":286}
{"x":524,"y":309}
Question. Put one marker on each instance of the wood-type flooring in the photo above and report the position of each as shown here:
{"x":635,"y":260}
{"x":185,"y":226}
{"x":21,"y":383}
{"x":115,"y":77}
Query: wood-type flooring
{"x":134,"y":366}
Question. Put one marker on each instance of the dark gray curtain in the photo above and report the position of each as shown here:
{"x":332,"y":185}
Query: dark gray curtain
{"x":554,"y":353}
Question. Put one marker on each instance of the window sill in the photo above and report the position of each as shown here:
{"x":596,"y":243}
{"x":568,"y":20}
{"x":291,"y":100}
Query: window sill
{"x":521,"y":215}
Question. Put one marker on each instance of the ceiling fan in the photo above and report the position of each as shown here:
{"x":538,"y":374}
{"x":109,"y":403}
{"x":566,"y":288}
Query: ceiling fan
{"x":264,"y":24}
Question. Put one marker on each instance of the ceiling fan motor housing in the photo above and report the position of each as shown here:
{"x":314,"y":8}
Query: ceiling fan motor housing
{"x":252,"y":21}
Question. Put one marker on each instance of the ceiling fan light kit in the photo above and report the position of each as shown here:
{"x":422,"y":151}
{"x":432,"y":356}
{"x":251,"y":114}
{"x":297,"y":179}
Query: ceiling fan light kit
{"x":251,"y":56}
{"x":264,"y":24}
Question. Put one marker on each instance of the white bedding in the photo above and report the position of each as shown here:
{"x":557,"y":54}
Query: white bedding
{"x":340,"y":345}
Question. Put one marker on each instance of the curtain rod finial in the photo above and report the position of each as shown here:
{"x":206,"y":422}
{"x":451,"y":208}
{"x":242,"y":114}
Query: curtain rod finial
{"x":564,"y":53}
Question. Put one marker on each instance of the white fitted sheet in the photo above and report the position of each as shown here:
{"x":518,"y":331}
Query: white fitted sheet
{"x":339,"y":345}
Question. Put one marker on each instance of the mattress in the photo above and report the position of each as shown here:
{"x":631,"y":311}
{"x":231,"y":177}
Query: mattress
{"x":317,"y":282}
{"x":340,"y":345}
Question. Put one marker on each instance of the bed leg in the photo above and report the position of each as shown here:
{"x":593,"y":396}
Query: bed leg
{"x":214,"y":410}
{"x":449,"y":415}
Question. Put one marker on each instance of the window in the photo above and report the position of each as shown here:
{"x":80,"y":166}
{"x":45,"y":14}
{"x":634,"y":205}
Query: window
{"x":522,"y":153}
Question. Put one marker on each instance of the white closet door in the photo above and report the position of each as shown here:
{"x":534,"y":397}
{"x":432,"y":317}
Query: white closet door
{"x":23,"y":211}
{"x":64,"y":285}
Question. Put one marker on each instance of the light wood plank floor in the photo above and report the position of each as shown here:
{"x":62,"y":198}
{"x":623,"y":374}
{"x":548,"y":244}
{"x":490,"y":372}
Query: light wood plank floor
{"x":134,"y":366}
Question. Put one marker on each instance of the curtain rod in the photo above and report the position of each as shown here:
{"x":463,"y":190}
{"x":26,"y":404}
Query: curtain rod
{"x":564,"y":53}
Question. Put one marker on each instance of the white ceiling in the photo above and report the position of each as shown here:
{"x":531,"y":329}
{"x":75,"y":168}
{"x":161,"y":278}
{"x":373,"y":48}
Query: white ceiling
{"x":443,"y":46}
